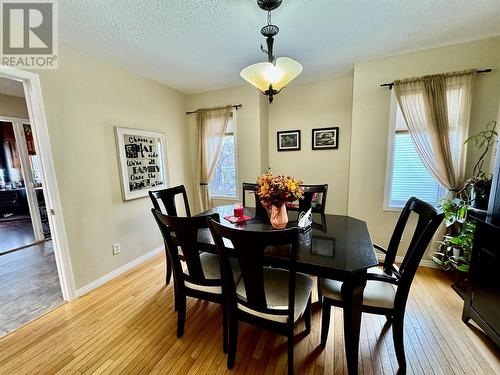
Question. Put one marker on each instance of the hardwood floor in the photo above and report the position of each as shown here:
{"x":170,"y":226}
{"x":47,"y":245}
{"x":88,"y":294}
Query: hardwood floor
{"x":29,"y":286}
{"x":128,"y":327}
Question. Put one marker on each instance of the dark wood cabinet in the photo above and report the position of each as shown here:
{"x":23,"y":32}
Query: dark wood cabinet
{"x":482,"y":299}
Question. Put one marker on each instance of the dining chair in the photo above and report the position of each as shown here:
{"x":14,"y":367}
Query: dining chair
{"x":311,"y":192}
{"x":267,"y":297}
{"x":260,"y":211}
{"x":167,"y":198}
{"x":386,"y":291}
{"x":199,"y":276}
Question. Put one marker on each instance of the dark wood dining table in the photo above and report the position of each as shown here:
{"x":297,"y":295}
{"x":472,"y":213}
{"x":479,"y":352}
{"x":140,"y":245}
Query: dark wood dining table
{"x":337,"y":247}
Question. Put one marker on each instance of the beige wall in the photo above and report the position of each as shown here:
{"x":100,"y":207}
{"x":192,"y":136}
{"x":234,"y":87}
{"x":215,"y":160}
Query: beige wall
{"x":264,"y":133}
{"x":247,"y":130}
{"x":356,"y":171}
{"x":13,"y":106}
{"x":370,"y":118}
{"x":304,"y":107}
{"x":84,"y":99}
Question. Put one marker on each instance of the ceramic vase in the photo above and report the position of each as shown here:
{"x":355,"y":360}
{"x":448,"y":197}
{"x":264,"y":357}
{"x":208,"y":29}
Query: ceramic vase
{"x":279,"y":217}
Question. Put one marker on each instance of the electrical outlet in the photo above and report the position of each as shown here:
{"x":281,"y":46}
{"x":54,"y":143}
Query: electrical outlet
{"x":116,"y":248}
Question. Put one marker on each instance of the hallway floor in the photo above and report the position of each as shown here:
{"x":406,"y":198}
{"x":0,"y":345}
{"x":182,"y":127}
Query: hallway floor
{"x":15,"y":233}
{"x":29,"y":286}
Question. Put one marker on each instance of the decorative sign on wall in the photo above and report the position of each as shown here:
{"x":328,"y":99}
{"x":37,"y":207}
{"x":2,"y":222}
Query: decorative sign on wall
{"x":142,"y":161}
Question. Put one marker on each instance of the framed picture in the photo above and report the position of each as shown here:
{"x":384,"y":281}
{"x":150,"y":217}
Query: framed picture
{"x":289,"y":140}
{"x":325,"y":138}
{"x":142,"y":161}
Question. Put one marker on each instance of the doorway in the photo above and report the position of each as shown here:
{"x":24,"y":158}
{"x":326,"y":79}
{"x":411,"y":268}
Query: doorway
{"x":23,"y":212}
{"x":35,"y":268}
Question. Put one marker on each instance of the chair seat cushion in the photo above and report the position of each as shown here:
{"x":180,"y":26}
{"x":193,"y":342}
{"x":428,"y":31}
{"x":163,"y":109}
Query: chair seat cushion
{"x":376,"y":293}
{"x":211,"y":270}
{"x":276,"y":290}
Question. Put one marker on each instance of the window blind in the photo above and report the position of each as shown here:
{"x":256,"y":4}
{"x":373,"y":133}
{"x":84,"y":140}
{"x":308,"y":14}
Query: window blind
{"x":410,"y":177}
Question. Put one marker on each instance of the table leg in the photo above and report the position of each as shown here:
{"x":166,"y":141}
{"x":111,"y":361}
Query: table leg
{"x":352,"y":297}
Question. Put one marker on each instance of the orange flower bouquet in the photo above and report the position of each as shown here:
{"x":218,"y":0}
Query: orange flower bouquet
{"x":274,"y":192}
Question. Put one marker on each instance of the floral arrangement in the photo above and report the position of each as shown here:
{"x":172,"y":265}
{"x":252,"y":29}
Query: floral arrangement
{"x":277,"y":190}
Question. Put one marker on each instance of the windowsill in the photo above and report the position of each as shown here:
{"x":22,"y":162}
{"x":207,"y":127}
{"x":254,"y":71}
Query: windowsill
{"x":392,"y":209}
{"x":224,"y":198}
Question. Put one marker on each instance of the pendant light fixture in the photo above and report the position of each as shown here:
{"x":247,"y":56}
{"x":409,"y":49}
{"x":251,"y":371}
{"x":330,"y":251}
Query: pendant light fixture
{"x":271,"y":76}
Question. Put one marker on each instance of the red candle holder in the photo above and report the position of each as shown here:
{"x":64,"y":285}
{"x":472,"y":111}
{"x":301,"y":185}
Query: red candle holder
{"x":239,"y":211}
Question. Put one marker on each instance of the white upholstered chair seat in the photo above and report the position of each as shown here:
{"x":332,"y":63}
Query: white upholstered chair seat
{"x":211,"y":270}
{"x":276,"y":291}
{"x":376,"y":293}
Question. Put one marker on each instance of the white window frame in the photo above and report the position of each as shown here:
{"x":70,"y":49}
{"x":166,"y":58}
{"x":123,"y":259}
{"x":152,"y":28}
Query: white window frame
{"x":235,"y":141}
{"x":391,"y":144}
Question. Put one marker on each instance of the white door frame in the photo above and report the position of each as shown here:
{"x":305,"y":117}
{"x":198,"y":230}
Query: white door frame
{"x":36,"y":111}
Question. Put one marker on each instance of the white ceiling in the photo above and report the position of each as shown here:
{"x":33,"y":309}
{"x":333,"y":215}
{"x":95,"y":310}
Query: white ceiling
{"x":197,"y":45}
{"x":11,"y":87}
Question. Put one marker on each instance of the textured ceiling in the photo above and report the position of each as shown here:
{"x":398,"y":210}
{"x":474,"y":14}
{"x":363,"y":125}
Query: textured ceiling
{"x":197,"y":45}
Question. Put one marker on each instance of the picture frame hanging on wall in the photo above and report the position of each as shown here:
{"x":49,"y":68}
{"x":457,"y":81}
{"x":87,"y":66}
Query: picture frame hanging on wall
{"x":142,"y":161}
{"x":288,"y":140}
{"x":325,"y":138}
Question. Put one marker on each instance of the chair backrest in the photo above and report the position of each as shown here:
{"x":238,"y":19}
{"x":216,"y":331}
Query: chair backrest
{"x":248,"y":248}
{"x":310,"y":191}
{"x":428,"y":222}
{"x":424,"y":211}
{"x":167,"y":196}
{"x":260,"y":211}
{"x":185,"y":230}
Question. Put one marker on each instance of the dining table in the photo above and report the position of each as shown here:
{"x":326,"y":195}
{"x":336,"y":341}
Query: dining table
{"x":338,"y":247}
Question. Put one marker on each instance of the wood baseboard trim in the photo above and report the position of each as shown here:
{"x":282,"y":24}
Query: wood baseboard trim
{"x":117,"y":272}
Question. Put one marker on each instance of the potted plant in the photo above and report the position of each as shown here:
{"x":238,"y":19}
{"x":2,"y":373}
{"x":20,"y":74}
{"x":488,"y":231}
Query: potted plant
{"x":480,"y":182}
{"x":455,"y":249}
{"x":274,"y":192}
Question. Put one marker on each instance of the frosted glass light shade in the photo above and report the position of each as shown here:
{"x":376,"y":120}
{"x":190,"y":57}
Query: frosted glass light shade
{"x":263,"y":74}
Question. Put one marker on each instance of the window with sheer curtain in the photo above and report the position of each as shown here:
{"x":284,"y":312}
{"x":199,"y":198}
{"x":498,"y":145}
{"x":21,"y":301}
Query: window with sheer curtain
{"x":223,"y":183}
{"x":408,"y":175}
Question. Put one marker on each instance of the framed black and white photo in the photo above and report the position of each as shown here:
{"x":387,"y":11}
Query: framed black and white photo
{"x":141,"y":155}
{"x":289,"y":140}
{"x":325,"y":138}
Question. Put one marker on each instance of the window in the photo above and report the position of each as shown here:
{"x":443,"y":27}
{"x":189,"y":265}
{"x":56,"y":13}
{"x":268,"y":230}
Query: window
{"x":223,"y":183}
{"x":408,"y":177}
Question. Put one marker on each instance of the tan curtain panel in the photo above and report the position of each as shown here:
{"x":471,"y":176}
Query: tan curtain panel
{"x":438,"y":132}
{"x":212,"y":125}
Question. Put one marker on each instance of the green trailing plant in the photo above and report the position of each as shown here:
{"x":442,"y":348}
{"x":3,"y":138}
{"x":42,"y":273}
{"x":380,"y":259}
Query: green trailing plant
{"x":455,"y":249}
{"x":480,"y":182}
{"x":483,"y":141}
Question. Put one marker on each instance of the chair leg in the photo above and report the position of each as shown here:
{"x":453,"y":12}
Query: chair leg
{"x":224,"y":329}
{"x":320,"y":296}
{"x":168,"y":271}
{"x":233,"y":342}
{"x":307,"y":316}
{"x":176,"y":297}
{"x":290,"y":354}
{"x":397,"y":335}
{"x":181,"y":314}
{"x":325,"y":322}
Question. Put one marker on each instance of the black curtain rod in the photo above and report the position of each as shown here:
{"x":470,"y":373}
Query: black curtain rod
{"x":235,"y":106}
{"x":390,"y":84}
